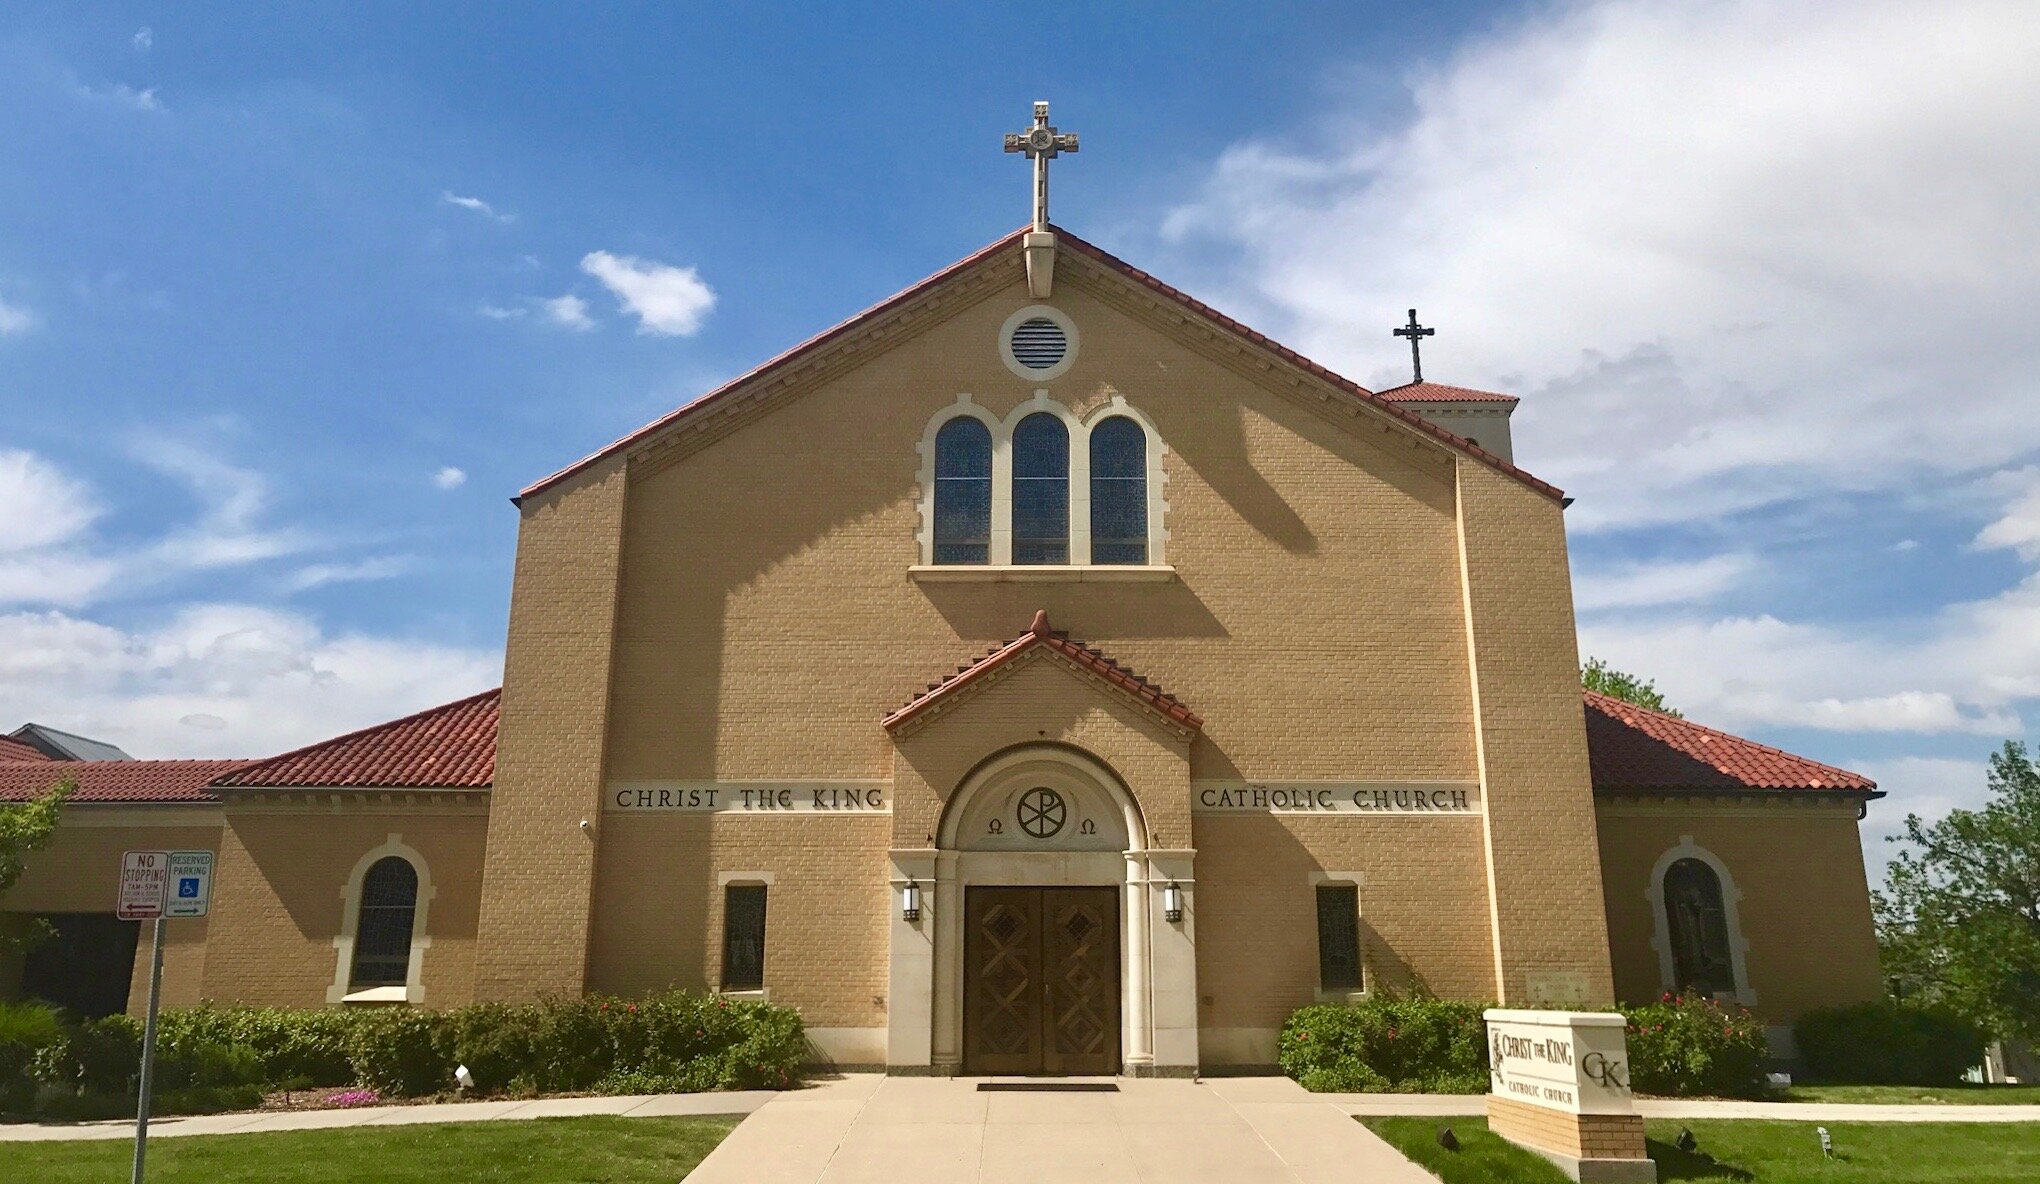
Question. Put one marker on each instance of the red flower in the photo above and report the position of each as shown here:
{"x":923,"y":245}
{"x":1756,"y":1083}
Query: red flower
{"x":630,"y":1007}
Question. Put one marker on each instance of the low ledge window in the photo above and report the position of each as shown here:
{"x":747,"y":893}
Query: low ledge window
{"x":382,"y":935}
{"x":1338,"y":929}
{"x":743,"y":961}
{"x":1029,"y":574}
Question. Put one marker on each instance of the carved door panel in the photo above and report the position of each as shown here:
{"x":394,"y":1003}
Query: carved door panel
{"x":1080,"y":980}
{"x":1041,"y":980}
{"x":1002,"y":980}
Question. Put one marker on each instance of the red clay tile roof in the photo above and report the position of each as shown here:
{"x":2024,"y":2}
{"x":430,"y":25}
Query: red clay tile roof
{"x":1083,"y":656}
{"x":14,"y":750}
{"x":1109,"y":260}
{"x":448,"y":747}
{"x":1635,"y":748}
{"x":1438,"y":392}
{"x":116,"y":781}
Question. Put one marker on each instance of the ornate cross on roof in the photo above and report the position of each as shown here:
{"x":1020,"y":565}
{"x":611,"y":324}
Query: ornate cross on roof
{"x":1415,"y":333}
{"x":1042,"y":144}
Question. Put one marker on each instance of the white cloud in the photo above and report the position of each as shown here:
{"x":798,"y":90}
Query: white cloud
{"x":666,"y":300}
{"x":2018,"y":527}
{"x":15,"y":319}
{"x":476,"y":204}
{"x":123,"y":95}
{"x":569,"y":310}
{"x":1677,"y":582}
{"x":143,"y":40}
{"x":40,"y":505}
{"x":1717,"y":245}
{"x":318,"y":575}
{"x":233,"y":501}
{"x":497,"y":312}
{"x":221,"y":679}
{"x":450,"y":478}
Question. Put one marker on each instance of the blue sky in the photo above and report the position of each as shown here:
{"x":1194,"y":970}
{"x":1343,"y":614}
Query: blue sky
{"x":293,"y":298}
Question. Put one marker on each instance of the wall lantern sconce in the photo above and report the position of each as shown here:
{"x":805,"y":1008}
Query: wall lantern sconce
{"x":1172,"y":903}
{"x":910,"y":902}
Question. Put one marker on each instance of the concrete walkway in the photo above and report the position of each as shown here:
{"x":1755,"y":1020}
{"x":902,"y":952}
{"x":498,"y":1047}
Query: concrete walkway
{"x":937,"y":1130}
{"x":246,"y":1123}
{"x":1475,"y":1105}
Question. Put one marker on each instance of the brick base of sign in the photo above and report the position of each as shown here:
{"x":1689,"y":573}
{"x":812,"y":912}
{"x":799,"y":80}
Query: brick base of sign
{"x":1590,"y":1148}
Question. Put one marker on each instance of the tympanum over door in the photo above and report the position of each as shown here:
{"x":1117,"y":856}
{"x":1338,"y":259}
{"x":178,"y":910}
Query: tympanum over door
{"x":1041,"y":980}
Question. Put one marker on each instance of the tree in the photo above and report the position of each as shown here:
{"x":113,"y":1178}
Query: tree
{"x":24,"y":828}
{"x":1959,"y":922}
{"x":1601,"y":678}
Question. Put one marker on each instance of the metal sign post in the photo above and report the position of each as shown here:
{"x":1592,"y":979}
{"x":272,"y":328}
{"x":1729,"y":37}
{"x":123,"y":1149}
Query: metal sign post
{"x":155,"y":885}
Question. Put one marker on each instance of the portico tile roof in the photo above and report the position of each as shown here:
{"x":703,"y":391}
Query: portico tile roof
{"x":1635,"y":748}
{"x":14,"y":750}
{"x":115,"y":781}
{"x":452,"y":746}
{"x":1438,"y":392}
{"x":1084,"y":657}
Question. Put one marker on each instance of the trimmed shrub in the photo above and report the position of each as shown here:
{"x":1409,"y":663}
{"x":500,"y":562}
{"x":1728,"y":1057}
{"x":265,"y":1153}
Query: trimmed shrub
{"x":400,"y":1051}
{"x":1387,"y":1046}
{"x":27,"y":1029}
{"x":1889,"y":1043}
{"x":1682,"y":1047}
{"x":211,"y":1058}
{"x":305,"y":1046}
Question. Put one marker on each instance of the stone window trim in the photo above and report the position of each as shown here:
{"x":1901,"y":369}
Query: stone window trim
{"x":761,"y":879}
{"x":1038,"y":312}
{"x":1000,"y":565}
{"x":1731,"y":900}
{"x":413,"y":990}
{"x":1358,"y":882}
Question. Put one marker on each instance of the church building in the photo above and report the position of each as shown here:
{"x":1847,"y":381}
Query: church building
{"x":1038,"y":672}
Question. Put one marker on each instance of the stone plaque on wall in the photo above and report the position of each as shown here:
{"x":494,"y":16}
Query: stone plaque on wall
{"x":1335,"y":797}
{"x":751,"y":798}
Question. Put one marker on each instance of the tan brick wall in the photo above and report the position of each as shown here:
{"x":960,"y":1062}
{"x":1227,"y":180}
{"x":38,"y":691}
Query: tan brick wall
{"x":1581,"y":1136}
{"x":1543,"y":857}
{"x":1423,"y":910}
{"x":278,"y":896}
{"x":765,"y":621}
{"x":79,"y":872}
{"x":660,"y":922}
{"x":1805,"y":907}
{"x":549,"y":753}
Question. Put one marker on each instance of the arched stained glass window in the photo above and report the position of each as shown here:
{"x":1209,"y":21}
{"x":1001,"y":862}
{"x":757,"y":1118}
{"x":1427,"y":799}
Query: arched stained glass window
{"x":1119,"y":523}
{"x":963,"y":492}
{"x":382,"y":931}
{"x":1041,"y":490}
{"x":1697,"y":922}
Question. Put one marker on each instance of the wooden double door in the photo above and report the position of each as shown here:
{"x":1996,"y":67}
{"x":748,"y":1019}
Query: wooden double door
{"x":1041,"y":980}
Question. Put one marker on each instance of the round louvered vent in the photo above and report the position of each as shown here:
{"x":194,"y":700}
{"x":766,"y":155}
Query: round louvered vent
{"x":1039,"y":343}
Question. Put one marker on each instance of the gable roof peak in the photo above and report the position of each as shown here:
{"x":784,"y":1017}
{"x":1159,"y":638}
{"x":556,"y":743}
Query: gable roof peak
{"x":1016,"y":241}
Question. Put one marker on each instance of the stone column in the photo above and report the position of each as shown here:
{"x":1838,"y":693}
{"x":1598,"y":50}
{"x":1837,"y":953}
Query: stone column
{"x":910,"y":993}
{"x":1173,"y":989}
{"x":946,"y":1056}
{"x":1136,"y":1016}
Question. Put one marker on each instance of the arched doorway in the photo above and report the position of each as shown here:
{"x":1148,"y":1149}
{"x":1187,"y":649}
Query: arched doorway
{"x":1042,"y":943}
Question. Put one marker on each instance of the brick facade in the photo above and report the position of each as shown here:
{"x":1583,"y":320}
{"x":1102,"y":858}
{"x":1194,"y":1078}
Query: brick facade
{"x":728,"y":599}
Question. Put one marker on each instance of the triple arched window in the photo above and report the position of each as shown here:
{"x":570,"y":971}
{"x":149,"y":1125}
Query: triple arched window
{"x":1042,"y":488}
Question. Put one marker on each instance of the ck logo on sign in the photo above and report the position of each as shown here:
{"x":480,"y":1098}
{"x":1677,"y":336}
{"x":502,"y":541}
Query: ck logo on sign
{"x":1603,"y":1072}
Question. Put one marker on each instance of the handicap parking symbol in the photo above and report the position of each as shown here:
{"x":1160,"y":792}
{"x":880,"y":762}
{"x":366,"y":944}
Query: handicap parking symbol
{"x":187,"y":886}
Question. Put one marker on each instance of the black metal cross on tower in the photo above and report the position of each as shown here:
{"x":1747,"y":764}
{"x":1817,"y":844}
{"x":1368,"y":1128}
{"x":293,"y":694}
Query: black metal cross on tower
{"x":1416,"y":333}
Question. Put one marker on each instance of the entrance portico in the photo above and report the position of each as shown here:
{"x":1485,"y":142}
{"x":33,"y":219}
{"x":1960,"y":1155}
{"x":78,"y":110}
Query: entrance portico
{"x":1039,"y":776}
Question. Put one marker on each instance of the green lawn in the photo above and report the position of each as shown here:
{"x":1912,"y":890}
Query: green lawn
{"x":1747,"y":1152}
{"x":1953,"y":1095}
{"x":603,"y":1150}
